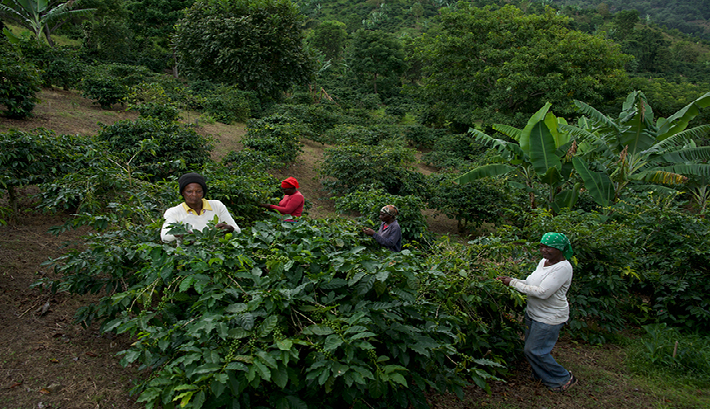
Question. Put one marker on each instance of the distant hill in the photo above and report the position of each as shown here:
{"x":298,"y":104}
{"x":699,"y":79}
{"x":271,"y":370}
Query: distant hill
{"x":687,"y":16}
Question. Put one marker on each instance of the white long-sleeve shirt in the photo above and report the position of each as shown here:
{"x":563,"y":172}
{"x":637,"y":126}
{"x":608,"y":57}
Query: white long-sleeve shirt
{"x":182,"y":213}
{"x":546,"y":289}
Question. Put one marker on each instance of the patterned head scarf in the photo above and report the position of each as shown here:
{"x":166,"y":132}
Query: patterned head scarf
{"x":558,"y":241}
{"x":390,"y":210}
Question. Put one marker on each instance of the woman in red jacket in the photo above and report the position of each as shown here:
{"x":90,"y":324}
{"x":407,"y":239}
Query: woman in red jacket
{"x":292,"y":203}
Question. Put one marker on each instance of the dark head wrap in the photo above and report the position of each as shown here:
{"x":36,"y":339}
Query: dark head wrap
{"x":558,"y":241}
{"x":192,"y":177}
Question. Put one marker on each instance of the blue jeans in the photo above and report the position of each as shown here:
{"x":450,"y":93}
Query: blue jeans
{"x":540,"y":338}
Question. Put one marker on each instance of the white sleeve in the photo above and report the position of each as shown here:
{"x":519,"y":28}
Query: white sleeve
{"x":549,"y":285}
{"x":224,"y":216}
{"x":170,"y":217}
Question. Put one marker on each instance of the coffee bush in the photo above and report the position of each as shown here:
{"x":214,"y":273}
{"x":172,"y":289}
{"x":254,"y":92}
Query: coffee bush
{"x":19,"y":83}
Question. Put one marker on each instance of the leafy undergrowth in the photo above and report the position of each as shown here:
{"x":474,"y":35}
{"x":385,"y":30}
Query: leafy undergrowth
{"x":47,"y":361}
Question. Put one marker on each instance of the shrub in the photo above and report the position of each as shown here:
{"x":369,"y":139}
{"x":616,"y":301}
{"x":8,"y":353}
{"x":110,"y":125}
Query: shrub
{"x":276,"y":135}
{"x":286,"y":314}
{"x":422,"y":136}
{"x":65,"y":69}
{"x":367,"y":200}
{"x":672,"y":255}
{"x":156,"y":149}
{"x":250,"y":160}
{"x":109,"y":84}
{"x":19,"y":84}
{"x":471,"y":204}
{"x":454,"y":151}
{"x":344,"y":168}
{"x":318,"y":117}
{"x":241,"y":185}
{"x":227,"y":104}
{"x":105,"y":89}
{"x":466,"y":288}
{"x":363,"y":135}
{"x":60,"y":66}
{"x":32,"y":158}
{"x":156,"y":111}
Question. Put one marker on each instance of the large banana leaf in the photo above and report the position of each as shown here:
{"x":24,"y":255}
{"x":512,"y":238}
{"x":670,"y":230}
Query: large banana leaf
{"x":679,"y":121}
{"x":595,"y":116}
{"x":511,"y":131}
{"x":542,"y":149}
{"x":664,"y":177}
{"x":553,"y":124}
{"x":597,"y":184}
{"x":536,"y":118}
{"x":687,"y":155}
{"x":499,"y":144}
{"x":641,"y":133}
{"x":685,"y":139}
{"x":566,"y":199}
{"x":553,"y":177}
{"x":687,"y":169}
{"x":495,"y":169}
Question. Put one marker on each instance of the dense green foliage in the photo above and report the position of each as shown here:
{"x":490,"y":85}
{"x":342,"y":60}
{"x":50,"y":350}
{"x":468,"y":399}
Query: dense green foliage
{"x":367,"y":200}
{"x":377,"y":60}
{"x":315,"y":314}
{"x":30,"y":158}
{"x":253,"y":44}
{"x":346,"y":167}
{"x":663,"y":350}
{"x":156,"y":149}
{"x":489,"y":66}
{"x":109,"y":84}
{"x":687,"y":16}
{"x":276,"y":135}
{"x":19,"y":83}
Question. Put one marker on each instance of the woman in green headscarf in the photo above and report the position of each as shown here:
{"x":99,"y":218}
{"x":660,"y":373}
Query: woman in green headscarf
{"x":547,"y":310}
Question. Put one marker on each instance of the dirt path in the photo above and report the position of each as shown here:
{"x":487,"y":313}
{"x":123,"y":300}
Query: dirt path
{"x":46,"y":361}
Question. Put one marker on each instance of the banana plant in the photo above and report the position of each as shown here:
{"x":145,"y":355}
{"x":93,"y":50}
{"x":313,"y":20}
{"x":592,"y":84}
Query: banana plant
{"x":38,"y":14}
{"x":539,"y":153}
{"x":634,"y":148}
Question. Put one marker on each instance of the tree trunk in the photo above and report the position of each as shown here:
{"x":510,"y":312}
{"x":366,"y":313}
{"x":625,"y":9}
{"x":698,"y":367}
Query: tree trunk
{"x":48,"y":34}
{"x":175,"y":65}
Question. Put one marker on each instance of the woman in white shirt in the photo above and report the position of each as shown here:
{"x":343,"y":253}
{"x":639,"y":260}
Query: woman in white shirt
{"x":547,"y":310}
{"x":196,"y":211}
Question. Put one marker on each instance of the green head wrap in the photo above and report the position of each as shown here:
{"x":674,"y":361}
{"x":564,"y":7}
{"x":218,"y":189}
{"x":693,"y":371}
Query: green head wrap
{"x":558,"y":241}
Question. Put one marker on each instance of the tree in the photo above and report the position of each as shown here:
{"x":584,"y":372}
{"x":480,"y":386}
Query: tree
{"x":635,"y":148}
{"x":540,"y":153}
{"x":40,"y":16}
{"x":330,"y":37}
{"x":156,"y":18}
{"x":491,"y":66}
{"x":256,"y":45}
{"x":377,"y":58}
{"x":625,"y":21}
{"x":650,"y":49}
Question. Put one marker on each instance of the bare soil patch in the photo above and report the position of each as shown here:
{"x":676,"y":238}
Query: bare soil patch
{"x":67,"y":112}
{"x":47,"y":361}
